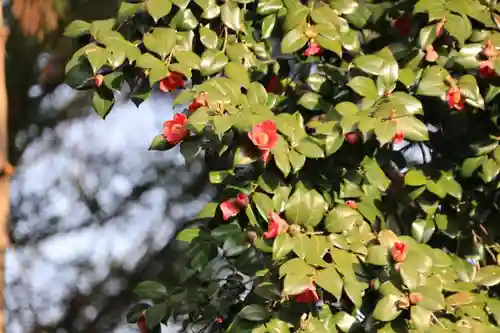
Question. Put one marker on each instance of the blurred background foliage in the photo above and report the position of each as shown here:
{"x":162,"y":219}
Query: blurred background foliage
{"x":92,"y":211}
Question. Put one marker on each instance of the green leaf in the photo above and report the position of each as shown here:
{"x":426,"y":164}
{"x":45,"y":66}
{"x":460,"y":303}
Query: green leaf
{"x":469,"y":88}
{"x":309,"y":148}
{"x":297,"y":160}
{"x":342,"y":218}
{"x":268,"y":25}
{"x":159,"y":143}
{"x":421,"y":317}
{"x":212,"y":62}
{"x":155,"y":314}
{"x":415,"y":177}
{"x":459,"y":27}
{"x":312,"y":101}
{"x":295,"y":266}
{"x":432,"y":82}
{"x":187,"y":235}
{"x":377,"y":255}
{"x":150,"y":289}
{"x":489,"y":170}
{"x":364,"y":86}
{"x":253,"y":312}
{"x":294,"y":284}
{"x":330,"y":280}
{"x":386,"y":309}
{"x":263,"y":203}
{"x":76,"y":28}
{"x":294,"y":40}
{"x":103,"y":102}
{"x":328,"y":42}
{"x":280,"y":153}
{"x":158,"y":8}
{"x":488,"y":276}
{"x":231,"y":16}
{"x":422,"y":230}
{"x":432,"y":298}
{"x":413,"y":129}
{"x":191,"y":59}
{"x":410,"y":103}
{"x":160,"y":41}
{"x":268,"y":290}
{"x":470,"y":165}
{"x":375,"y":175}
{"x":305,"y":207}
{"x":208,"y":38}
{"x":282,"y":246}
{"x":238,"y":73}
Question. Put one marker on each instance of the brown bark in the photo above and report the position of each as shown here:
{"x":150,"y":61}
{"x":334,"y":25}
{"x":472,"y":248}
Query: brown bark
{"x":4,"y":179}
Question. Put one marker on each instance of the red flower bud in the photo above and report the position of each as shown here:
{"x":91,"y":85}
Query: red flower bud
{"x":352,"y":204}
{"x":273,"y":84}
{"x":399,"y":250}
{"x":486,"y":69}
{"x":198,"y":102}
{"x":171,"y":82}
{"x":219,"y":320}
{"x":141,"y":323}
{"x":455,"y":98}
{"x":352,"y":137}
{"x":403,"y":24}
{"x":98,"y":80}
{"x":398,"y":137}
{"x":307,"y":296}
{"x":242,"y":200}
{"x":312,"y":49}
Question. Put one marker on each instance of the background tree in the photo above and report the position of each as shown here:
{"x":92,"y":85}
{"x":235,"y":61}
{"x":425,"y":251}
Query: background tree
{"x":71,"y":194}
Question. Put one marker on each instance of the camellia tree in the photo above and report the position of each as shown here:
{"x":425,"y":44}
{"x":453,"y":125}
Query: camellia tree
{"x":309,"y":115}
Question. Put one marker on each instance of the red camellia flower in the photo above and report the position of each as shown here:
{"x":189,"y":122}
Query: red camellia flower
{"x":171,"y":82}
{"x":219,"y":320}
{"x":352,"y":137}
{"x":486,"y":69}
{"x":141,"y":323}
{"x":313,"y":48}
{"x":233,"y":206}
{"x":455,"y":98}
{"x":399,"y":250}
{"x":489,"y":50}
{"x":398,"y":137}
{"x":265,"y":156}
{"x":175,"y":130}
{"x":352,"y":204}
{"x":402,"y":24}
{"x":264,"y":135}
{"x":198,"y":102}
{"x":98,"y":80}
{"x":273,"y":84}
{"x":276,"y":225}
{"x":307,"y":296}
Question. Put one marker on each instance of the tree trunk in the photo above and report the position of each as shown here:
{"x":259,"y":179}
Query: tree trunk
{"x":4,"y":164}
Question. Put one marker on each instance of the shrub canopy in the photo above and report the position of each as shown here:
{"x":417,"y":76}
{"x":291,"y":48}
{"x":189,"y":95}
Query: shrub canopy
{"x":355,"y":145}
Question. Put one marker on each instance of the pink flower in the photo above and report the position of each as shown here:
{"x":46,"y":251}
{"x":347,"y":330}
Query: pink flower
{"x":489,"y":50}
{"x":171,"y":82}
{"x":98,"y":80}
{"x":276,"y":225}
{"x":175,"y":130}
{"x":232,"y":207}
{"x":431,"y":54}
{"x":141,"y":323}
